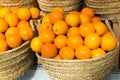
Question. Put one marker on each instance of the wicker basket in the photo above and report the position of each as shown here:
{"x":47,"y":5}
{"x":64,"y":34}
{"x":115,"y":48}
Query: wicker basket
{"x":19,"y":3}
{"x":16,"y":62}
{"x":67,"y":5}
{"x":90,"y":69}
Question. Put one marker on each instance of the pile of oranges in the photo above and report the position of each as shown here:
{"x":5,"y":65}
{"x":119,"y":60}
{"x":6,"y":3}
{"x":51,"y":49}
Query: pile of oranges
{"x":15,"y":27}
{"x":76,"y":35}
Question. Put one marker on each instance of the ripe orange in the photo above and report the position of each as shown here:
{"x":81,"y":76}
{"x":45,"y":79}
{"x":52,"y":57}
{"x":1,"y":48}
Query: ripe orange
{"x":57,"y":57}
{"x":35,"y":12}
{"x":60,"y":9}
{"x":60,"y":27}
{"x":12,"y":19}
{"x":55,"y":16}
{"x":45,"y":18}
{"x":92,"y":40}
{"x":96,"y":53}
{"x":36,"y":44}
{"x":24,"y":13}
{"x":45,"y":26}
{"x":60,"y":41}
{"x":48,"y":50}
{"x":22,"y":23}
{"x":3,"y":25}
{"x":83,"y":52}
{"x":12,"y":30}
{"x":3,"y":45}
{"x":67,"y":53}
{"x":13,"y":40}
{"x":26,"y":33}
{"x":75,"y":12}
{"x":108,"y":42}
{"x":2,"y":36}
{"x":74,"y":41}
{"x":73,"y":31}
{"x":72,"y":19}
{"x":95,"y":19}
{"x":86,"y":28}
{"x":88,"y":11}
{"x":84,"y":18}
{"x":100,"y":28}
{"x":4,"y":11}
{"x":14,"y":9}
{"x":47,"y":36}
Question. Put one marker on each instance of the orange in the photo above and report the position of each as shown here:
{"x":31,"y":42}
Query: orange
{"x":100,"y":28}
{"x":108,"y":42}
{"x":72,"y":19}
{"x":36,"y":44}
{"x":13,"y":40}
{"x":45,"y":18}
{"x":14,"y":9}
{"x":26,"y":33}
{"x":67,"y":53}
{"x":83,"y":52}
{"x":24,"y":13}
{"x":57,"y":57}
{"x":60,"y":9}
{"x":92,"y":40}
{"x":35,"y":12}
{"x":12,"y":19}
{"x":60,"y":27}
{"x":86,"y":28}
{"x":55,"y":16}
{"x":73,"y":31}
{"x":48,"y":50}
{"x":45,"y":26}
{"x":60,"y":41}
{"x":84,"y":18}
{"x":3,"y":25}
{"x":108,"y":33}
{"x":22,"y":23}
{"x":96,"y":53}
{"x":47,"y":36}
{"x":88,"y":11}
{"x":3,"y":45}
{"x":75,"y":12}
{"x":95,"y":19}
{"x":2,"y":36}
{"x":74,"y":41}
{"x":12,"y":30}
{"x":4,"y":11}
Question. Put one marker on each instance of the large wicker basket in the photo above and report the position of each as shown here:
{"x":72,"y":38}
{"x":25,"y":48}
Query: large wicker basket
{"x":16,"y":62}
{"x":90,"y":69}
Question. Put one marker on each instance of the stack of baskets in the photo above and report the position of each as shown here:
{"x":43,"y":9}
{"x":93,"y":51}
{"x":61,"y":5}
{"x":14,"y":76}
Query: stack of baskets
{"x":90,"y":69}
{"x":106,"y":9}
{"x":16,"y":62}
{"x":67,"y":5}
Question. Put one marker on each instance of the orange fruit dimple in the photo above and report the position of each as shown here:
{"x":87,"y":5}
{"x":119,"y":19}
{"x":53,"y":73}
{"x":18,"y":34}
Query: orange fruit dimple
{"x":74,"y":41}
{"x":92,"y":40}
{"x":83,"y":52}
{"x":48,"y":50}
{"x":86,"y":28}
{"x":3,"y":45}
{"x":96,"y":53}
{"x":3,"y":25}
{"x":73,"y":31}
{"x":60,"y":41}
{"x":13,"y":40}
{"x":84,"y":18}
{"x":88,"y":11}
{"x":4,"y":11}
{"x":2,"y":36}
{"x":35,"y":12}
{"x":67,"y":53}
{"x":22,"y":24}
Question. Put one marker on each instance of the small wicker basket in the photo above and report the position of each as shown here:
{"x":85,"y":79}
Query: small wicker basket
{"x":16,"y":62}
{"x":90,"y":69}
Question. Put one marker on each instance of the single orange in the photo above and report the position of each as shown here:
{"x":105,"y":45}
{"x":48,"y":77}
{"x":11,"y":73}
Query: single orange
{"x":57,"y":57}
{"x":35,"y":12}
{"x":45,"y":18}
{"x":84,"y":18}
{"x":22,"y":23}
{"x":3,"y":45}
{"x":75,"y":12}
{"x":96,"y":19}
{"x":48,"y":50}
{"x":3,"y":25}
{"x":67,"y":53}
{"x":4,"y":11}
{"x":13,"y":40}
{"x":2,"y":36}
{"x":83,"y":52}
{"x":60,"y":41}
{"x":74,"y":41}
{"x":99,"y":52}
{"x":60,"y":9}
{"x":86,"y":28}
{"x":14,"y":9}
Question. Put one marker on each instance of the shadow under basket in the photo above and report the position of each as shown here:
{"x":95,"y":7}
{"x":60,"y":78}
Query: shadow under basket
{"x":14,"y":63}
{"x":89,"y":69}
